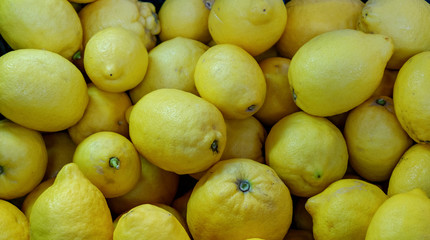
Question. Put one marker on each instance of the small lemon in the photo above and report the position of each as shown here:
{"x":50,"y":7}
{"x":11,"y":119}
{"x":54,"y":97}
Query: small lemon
{"x":60,"y":148}
{"x":375,"y":139}
{"x":402,"y":216}
{"x":344,"y":209}
{"x":231,"y":79}
{"x":307,"y":152}
{"x":412,"y":171}
{"x":253,"y":25}
{"x":13,"y":222}
{"x":338,"y":70}
{"x":115,"y":59}
{"x":180,"y":203}
{"x":177,"y":131}
{"x":30,"y":198}
{"x":301,"y":218}
{"x":386,"y":86}
{"x":171,"y":65}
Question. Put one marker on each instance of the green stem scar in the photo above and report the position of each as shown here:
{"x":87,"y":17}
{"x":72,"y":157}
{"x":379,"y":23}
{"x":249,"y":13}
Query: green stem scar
{"x":251,"y":108}
{"x":114,"y":163}
{"x":77,"y":55}
{"x":381,"y":101}
{"x":214,"y":146}
{"x":244,"y":185}
{"x":294,"y":95}
{"x":1,"y":170}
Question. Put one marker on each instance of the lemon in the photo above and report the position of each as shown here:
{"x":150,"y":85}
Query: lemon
{"x":344,"y":209}
{"x":35,"y":84}
{"x":402,"y":216}
{"x":411,"y":97}
{"x":60,"y":148}
{"x":136,"y":16}
{"x":338,"y":70}
{"x":27,"y":204}
{"x":252,"y":25}
{"x":375,"y":139}
{"x":301,"y":218}
{"x":155,"y":185}
{"x":307,"y":152}
{"x":150,"y":222}
{"x":309,"y":18}
{"x":51,"y":25}
{"x":110,"y":161}
{"x":171,"y":65}
{"x":279,"y":101}
{"x":106,"y":111}
{"x":175,"y":213}
{"x":231,"y":79}
{"x":403,"y":21}
{"x":13,"y":222}
{"x":185,"y":18}
{"x":115,"y":59}
{"x":180,"y":203}
{"x":23,"y":159}
{"x":239,"y":199}
{"x":386,"y":86}
{"x":177,"y":131}
{"x":72,"y":208}
{"x":412,"y":171}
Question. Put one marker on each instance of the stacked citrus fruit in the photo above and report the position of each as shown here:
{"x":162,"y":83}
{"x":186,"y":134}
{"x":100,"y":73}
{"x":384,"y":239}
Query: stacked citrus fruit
{"x":214,"y":119}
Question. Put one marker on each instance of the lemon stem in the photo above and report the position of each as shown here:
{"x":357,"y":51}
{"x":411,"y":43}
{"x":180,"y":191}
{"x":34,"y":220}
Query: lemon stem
{"x":214,"y":146}
{"x":114,"y":162}
{"x":381,"y":102}
{"x":244,"y":185}
{"x":251,"y":108}
{"x":77,"y":55}
{"x":1,"y":170}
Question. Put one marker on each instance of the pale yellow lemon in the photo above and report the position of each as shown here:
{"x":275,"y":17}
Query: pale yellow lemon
{"x":13,"y":222}
{"x":344,"y":209}
{"x":375,"y":139}
{"x":115,"y":59}
{"x":60,"y":148}
{"x":403,"y":21}
{"x":110,"y":161}
{"x":35,"y":84}
{"x":231,"y":79}
{"x":239,"y":199}
{"x":30,"y":198}
{"x":23,"y":159}
{"x":106,"y":111}
{"x":253,"y":25}
{"x":412,"y":171}
{"x":309,"y":18}
{"x":307,"y":152}
{"x":279,"y":101}
{"x":177,"y":131}
{"x":171,"y":64}
{"x":76,"y":208}
{"x":411,"y":97}
{"x":185,"y":18}
{"x":402,"y":216}
{"x":51,"y":25}
{"x":338,"y":70}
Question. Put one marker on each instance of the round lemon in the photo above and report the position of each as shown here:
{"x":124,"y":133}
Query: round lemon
{"x":307,"y":152}
{"x":60,"y":148}
{"x":253,"y":25}
{"x":177,"y":131}
{"x":13,"y":222}
{"x":115,"y":59}
{"x":239,"y":199}
{"x":231,"y":79}
{"x":23,"y":159}
{"x":41,"y":90}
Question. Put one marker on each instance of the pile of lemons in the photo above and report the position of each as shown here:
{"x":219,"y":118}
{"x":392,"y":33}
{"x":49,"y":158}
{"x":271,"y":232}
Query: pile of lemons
{"x":215,"y":119}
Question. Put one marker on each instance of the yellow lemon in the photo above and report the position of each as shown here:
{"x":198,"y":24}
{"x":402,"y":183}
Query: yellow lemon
{"x":309,"y":18}
{"x":175,"y":213}
{"x":51,"y":25}
{"x":338,"y":70}
{"x":412,"y":171}
{"x":150,"y":222}
{"x":13,"y":222}
{"x":375,"y":139}
{"x":115,"y":59}
{"x":106,"y":111}
{"x":239,"y":199}
{"x":177,"y":131}
{"x":307,"y":152}
{"x":344,"y":209}
{"x":35,"y":84}
{"x":109,"y":161}
{"x":231,"y":79}
{"x":402,"y":216}
{"x":386,"y":86}
{"x":279,"y":101}
{"x":60,"y":148}
{"x":403,"y":21}
{"x":155,"y":185}
{"x":23,"y":159}
{"x":185,"y":18}
{"x":411,"y":97}
{"x":180,"y":203}
{"x":72,"y":208}
{"x":171,"y":65}
{"x":30,"y":198}
{"x":253,"y":25}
